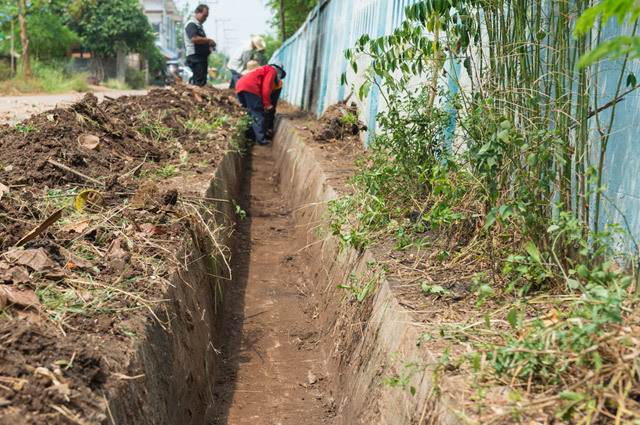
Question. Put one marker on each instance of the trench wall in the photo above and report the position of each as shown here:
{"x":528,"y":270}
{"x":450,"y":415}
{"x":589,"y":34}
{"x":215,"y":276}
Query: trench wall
{"x":176,"y":351}
{"x":365,"y":343}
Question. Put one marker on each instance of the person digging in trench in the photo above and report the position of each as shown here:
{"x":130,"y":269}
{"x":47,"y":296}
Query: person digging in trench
{"x":255,"y":92}
{"x":198,"y":46}
{"x":270,"y":114}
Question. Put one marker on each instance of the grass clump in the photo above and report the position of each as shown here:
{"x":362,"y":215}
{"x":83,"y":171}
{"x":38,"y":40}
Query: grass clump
{"x":48,"y":77}
{"x":116,"y":84}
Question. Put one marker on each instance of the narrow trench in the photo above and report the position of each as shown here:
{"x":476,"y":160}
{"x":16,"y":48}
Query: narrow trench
{"x":271,"y":368}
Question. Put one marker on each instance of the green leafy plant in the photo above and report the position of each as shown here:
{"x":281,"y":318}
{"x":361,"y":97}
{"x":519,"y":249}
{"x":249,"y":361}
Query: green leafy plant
{"x":242,"y":214}
{"x":436,"y":290}
{"x":25,"y":129}
{"x":167,"y":172}
{"x":619,"y":46}
{"x":361,"y":288}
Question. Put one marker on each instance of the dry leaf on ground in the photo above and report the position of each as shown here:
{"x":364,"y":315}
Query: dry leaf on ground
{"x":36,"y":259}
{"x":26,"y":298}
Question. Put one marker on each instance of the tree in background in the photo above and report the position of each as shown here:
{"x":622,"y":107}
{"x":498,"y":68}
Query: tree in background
{"x":42,"y":32}
{"x":26,"y":65}
{"x":112,"y":28}
{"x":289,"y":15}
{"x":48,"y":36}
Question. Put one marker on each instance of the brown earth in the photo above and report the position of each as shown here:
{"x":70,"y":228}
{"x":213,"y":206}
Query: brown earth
{"x":271,"y":371}
{"x":60,"y":362}
{"x":338,"y":122}
{"x":19,"y":107}
{"x":73,"y":298}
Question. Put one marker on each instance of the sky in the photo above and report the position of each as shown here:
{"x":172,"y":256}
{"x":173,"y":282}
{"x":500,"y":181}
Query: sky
{"x":232,"y":21}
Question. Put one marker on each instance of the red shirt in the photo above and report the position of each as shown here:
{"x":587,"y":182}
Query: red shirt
{"x":260,"y":82}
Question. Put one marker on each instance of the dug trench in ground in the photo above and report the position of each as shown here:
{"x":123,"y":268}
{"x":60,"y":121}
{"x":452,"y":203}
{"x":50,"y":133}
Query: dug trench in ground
{"x":270,"y":371}
{"x":288,"y":350}
{"x":295,"y":349}
{"x":176,"y":357}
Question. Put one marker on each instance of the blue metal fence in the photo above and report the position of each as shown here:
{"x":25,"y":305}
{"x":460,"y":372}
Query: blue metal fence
{"x":314,"y":57}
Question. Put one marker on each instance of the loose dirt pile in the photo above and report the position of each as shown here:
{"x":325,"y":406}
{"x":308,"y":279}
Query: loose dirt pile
{"x":94,"y":188}
{"x":339,"y":122}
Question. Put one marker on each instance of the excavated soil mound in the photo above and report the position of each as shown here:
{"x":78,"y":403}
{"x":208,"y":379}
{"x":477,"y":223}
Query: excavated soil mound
{"x":124,"y":129}
{"x":337,"y":123}
{"x":98,"y":190}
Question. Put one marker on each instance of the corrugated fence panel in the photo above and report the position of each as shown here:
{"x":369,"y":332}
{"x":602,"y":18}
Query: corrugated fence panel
{"x":314,"y":56}
{"x":622,"y":160}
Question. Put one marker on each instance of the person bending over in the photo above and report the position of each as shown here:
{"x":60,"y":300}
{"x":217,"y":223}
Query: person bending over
{"x":254,"y":92}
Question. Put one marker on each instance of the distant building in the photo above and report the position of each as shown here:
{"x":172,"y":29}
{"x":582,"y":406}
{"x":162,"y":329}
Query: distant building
{"x":164,"y":16}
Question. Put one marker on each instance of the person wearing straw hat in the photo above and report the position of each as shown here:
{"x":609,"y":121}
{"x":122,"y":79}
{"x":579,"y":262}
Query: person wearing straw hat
{"x":242,"y":56}
{"x":254,"y":91}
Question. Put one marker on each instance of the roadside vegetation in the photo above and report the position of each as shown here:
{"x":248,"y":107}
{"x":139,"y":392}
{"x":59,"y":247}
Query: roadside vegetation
{"x":289,"y":15}
{"x":51,"y":77}
{"x":493,"y":171}
{"x":40,"y":36}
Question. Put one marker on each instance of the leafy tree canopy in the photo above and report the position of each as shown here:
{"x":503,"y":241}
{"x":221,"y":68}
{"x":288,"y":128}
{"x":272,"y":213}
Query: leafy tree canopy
{"x":295,"y":13}
{"x":105,"y":25}
{"x":48,"y":36}
{"x":46,"y":27}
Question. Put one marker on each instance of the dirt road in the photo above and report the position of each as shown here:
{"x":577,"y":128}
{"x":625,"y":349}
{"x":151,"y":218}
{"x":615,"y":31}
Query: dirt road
{"x":14,"y":109}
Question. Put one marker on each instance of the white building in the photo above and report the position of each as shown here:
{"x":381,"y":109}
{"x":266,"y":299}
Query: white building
{"x":164,"y":17}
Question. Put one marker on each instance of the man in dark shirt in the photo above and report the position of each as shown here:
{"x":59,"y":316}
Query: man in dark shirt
{"x":198,"y":46}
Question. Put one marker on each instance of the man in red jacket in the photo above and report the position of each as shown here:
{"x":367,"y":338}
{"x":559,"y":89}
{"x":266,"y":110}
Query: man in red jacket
{"x":254,"y":92}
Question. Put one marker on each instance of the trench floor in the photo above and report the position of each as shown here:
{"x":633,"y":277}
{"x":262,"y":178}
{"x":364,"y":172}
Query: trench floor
{"x":272,"y":370}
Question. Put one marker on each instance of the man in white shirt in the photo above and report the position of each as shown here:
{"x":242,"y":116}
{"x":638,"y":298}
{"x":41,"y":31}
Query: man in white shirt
{"x":242,"y":55}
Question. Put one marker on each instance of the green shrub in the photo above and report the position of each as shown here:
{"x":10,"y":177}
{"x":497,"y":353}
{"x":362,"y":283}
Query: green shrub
{"x":116,"y":84}
{"x":134,"y":79}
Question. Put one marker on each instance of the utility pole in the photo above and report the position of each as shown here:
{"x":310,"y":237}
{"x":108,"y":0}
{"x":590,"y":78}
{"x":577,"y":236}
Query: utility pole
{"x":228,"y":38}
{"x":220,"y":23}
{"x":282,"y":31}
{"x":26,"y":66}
